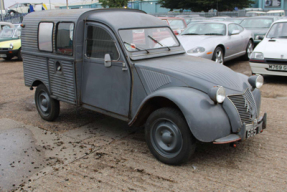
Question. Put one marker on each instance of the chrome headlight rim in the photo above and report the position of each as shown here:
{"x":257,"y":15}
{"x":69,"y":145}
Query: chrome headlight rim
{"x":217,"y":94}
{"x":11,"y":46}
{"x":256,"y":81}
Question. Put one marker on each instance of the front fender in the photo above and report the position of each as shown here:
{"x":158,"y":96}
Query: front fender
{"x":207,"y":121}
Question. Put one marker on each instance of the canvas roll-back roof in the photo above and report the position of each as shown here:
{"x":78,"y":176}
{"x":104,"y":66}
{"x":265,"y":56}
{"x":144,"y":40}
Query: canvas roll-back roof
{"x":122,"y":18}
{"x":115,"y":18}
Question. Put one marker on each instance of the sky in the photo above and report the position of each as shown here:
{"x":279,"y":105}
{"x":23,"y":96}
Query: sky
{"x":8,"y":3}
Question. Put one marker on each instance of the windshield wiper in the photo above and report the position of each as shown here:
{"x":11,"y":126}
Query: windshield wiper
{"x":213,"y":34}
{"x":156,"y":41}
{"x":190,"y":34}
{"x":137,"y":48}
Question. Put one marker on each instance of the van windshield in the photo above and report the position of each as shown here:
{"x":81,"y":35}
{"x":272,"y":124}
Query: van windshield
{"x":148,"y":38}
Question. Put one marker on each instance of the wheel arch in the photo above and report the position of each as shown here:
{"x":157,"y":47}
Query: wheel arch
{"x":151,"y":105}
{"x":36,"y":83}
{"x":222,"y":47}
{"x":207,"y":121}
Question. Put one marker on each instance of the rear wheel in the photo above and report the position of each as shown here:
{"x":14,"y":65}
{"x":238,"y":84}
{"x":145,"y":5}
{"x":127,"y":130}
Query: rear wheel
{"x":47,"y":107}
{"x":218,"y":55}
{"x":168,"y":136}
{"x":249,"y":50}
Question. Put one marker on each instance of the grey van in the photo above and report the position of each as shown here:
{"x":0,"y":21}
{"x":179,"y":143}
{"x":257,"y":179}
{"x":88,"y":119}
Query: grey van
{"x":113,"y":61}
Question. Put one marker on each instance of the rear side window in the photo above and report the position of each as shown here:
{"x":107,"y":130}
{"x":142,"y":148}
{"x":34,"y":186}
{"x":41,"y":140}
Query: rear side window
{"x":99,"y":43}
{"x":65,"y":38}
{"x":45,"y":35}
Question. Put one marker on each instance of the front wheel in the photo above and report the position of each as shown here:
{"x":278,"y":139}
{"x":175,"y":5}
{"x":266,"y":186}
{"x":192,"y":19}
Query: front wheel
{"x":168,"y":136}
{"x":47,"y":107}
{"x":20,"y":55}
{"x":218,"y":55}
{"x":249,"y":50}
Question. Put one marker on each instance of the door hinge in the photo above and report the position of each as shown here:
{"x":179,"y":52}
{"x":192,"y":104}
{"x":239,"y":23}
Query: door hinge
{"x":124,"y":67}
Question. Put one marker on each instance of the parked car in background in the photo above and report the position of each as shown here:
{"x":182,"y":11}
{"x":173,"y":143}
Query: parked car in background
{"x":4,"y":25}
{"x":217,"y":41}
{"x":220,"y":18}
{"x":279,"y":13}
{"x":270,"y":55}
{"x":26,"y":8}
{"x":10,"y":43}
{"x":177,"y":24}
{"x":237,"y":20}
{"x":255,"y":13}
{"x":259,"y":26}
{"x":179,"y":99}
{"x":189,"y":18}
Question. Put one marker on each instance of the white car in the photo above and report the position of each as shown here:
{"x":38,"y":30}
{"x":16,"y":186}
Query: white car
{"x":270,"y":56}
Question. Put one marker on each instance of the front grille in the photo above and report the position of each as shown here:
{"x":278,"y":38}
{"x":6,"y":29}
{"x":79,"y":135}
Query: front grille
{"x":4,"y":49}
{"x":281,"y":62}
{"x":245,"y":105}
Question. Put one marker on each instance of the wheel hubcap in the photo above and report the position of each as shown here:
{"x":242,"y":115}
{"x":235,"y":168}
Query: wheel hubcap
{"x":166,"y":138}
{"x":44,"y":102}
{"x":219,"y":57}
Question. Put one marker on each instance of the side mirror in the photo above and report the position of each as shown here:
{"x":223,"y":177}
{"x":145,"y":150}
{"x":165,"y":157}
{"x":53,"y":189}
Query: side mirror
{"x":235,"y":32}
{"x":108,"y":60}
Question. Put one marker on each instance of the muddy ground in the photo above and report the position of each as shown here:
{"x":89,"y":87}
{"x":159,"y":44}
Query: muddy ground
{"x":86,"y":151}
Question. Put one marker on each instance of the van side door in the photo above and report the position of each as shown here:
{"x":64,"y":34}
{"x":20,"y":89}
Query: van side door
{"x":106,"y":79}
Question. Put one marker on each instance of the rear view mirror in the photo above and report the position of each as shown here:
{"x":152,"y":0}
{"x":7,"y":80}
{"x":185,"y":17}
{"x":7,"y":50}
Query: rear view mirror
{"x":108,"y":60}
{"x":235,"y":32}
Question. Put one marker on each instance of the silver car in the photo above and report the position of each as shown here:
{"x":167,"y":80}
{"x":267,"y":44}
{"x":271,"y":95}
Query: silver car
{"x":218,"y":41}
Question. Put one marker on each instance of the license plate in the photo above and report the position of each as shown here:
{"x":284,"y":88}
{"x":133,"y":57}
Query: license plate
{"x":278,"y":67}
{"x":3,"y":55}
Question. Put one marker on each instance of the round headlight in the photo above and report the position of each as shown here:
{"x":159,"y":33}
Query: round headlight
{"x":256,"y":81}
{"x":217,"y":94}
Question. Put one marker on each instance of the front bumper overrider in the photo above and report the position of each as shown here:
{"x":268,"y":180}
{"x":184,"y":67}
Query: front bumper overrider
{"x":246,"y":131}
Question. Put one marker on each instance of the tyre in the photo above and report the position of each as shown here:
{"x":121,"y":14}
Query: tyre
{"x":47,"y":107}
{"x":218,"y":55}
{"x":249,"y":50}
{"x":20,"y":55}
{"x":168,"y":136}
{"x":8,"y":58}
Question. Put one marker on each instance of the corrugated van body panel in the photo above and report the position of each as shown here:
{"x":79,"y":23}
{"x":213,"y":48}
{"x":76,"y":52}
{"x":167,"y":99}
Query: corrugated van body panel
{"x":35,"y":68}
{"x":62,"y":83}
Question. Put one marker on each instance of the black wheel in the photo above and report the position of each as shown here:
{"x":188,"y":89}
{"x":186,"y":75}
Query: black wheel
{"x":218,"y":55}
{"x":20,"y":55}
{"x":168,"y":136}
{"x":8,"y":58}
{"x":249,"y":50}
{"x":47,"y":107}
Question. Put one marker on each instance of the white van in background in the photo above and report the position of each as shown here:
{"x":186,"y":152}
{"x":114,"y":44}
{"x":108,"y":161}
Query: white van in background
{"x":280,"y":13}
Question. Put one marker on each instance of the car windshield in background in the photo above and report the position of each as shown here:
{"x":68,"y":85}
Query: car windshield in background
{"x":278,"y":30}
{"x":256,"y":23}
{"x":205,"y":29}
{"x":10,"y":33}
{"x":176,"y":24}
{"x":238,"y":21}
{"x":150,"y":38}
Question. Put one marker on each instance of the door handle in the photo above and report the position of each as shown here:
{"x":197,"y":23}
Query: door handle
{"x":124,"y":67}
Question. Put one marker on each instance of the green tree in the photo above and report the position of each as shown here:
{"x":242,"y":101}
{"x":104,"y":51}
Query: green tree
{"x":114,"y":3}
{"x":205,"y":5}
